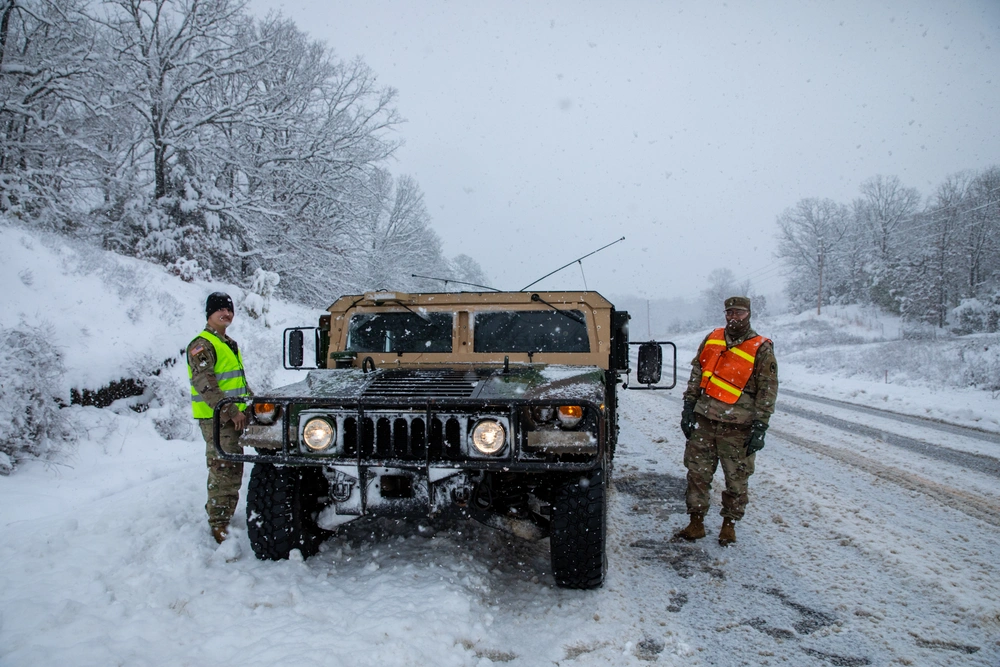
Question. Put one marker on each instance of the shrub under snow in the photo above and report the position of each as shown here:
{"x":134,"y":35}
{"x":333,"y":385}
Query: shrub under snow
{"x":31,"y":422}
{"x":257,"y":302}
{"x":976,"y":315}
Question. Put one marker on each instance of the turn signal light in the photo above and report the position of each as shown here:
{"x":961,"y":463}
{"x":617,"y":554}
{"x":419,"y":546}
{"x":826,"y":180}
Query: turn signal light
{"x":266,"y":413}
{"x":570,"y":415}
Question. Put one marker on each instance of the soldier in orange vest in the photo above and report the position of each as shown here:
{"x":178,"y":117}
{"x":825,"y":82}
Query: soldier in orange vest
{"x":727,"y":404}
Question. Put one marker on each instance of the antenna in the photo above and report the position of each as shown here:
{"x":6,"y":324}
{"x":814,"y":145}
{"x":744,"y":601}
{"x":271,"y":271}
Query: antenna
{"x":457,"y":282}
{"x":578,"y":259}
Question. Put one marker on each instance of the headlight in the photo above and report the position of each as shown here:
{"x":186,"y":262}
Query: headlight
{"x":318,"y":434}
{"x":266,"y":413}
{"x":489,"y":436}
{"x":570,"y":415}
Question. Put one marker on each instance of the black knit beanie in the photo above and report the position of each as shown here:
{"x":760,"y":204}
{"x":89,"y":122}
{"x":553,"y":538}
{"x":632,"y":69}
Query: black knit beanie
{"x":217,"y":301}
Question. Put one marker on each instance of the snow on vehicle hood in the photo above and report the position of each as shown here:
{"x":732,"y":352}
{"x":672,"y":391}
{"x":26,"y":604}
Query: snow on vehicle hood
{"x":529,"y":382}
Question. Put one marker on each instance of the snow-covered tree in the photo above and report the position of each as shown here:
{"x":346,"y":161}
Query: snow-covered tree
{"x":393,"y":239}
{"x":920,"y":263}
{"x":190,"y":133}
{"x":168,"y":55}
{"x":257,"y":302}
{"x":931,"y":266}
{"x":467,"y":274}
{"x":808,"y":234}
{"x":48,"y":52}
{"x":244,"y":144}
{"x":305,"y":159}
{"x":980,"y":234}
{"x":884,"y":211}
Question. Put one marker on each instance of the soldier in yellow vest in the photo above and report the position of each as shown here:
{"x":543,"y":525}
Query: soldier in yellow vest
{"x":727,"y":405}
{"x":215,"y":367}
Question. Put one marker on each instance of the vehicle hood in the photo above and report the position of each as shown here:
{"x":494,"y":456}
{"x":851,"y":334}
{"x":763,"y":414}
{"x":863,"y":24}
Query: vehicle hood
{"x":528,"y":382}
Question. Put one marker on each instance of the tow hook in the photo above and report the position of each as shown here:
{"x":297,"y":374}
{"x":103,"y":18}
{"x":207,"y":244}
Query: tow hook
{"x":341,"y":491}
{"x":461,"y":495}
{"x":341,"y":487}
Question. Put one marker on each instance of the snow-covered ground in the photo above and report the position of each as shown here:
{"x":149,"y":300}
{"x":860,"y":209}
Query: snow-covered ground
{"x":857,"y":549}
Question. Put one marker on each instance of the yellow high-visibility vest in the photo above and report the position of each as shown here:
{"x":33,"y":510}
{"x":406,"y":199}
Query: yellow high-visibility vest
{"x":228,"y":373}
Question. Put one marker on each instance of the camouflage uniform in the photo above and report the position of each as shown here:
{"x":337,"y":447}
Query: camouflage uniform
{"x":722,"y":431}
{"x":224,"y":477}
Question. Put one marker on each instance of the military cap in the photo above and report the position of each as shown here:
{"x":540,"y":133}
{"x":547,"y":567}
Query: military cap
{"x":738,"y":302}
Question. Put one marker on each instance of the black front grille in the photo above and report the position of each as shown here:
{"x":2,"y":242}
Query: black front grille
{"x":422,"y":384}
{"x":404,"y":437}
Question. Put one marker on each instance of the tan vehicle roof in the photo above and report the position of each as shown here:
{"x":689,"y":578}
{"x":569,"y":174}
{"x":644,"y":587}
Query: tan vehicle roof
{"x":595,"y":308}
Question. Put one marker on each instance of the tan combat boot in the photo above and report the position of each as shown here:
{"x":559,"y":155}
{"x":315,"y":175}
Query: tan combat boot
{"x":219,"y":533}
{"x":728,"y":533}
{"x":695,"y":530}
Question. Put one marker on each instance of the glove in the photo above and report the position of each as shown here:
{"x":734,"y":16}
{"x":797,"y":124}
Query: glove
{"x":755,"y":441}
{"x":687,"y":418}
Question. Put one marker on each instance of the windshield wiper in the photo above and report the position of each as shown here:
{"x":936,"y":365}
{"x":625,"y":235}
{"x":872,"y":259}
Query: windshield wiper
{"x":424,"y":316}
{"x":565,"y":313}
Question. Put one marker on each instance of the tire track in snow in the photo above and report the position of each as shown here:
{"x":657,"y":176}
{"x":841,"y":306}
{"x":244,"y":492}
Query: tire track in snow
{"x":978,"y":462}
{"x":924,"y":422}
{"x":969,"y":503}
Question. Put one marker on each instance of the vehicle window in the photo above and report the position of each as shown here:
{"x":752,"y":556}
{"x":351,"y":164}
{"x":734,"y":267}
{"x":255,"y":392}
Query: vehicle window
{"x":400,"y":332}
{"x":531,"y":331}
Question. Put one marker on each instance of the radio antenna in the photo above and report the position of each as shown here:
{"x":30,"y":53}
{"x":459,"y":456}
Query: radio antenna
{"x":578,"y":259}
{"x":457,"y":282}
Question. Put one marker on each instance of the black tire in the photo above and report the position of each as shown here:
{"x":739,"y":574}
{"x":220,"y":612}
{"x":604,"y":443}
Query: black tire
{"x":578,"y":531}
{"x":282,"y":504}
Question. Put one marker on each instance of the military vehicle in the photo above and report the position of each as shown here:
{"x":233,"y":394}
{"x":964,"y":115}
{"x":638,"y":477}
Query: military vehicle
{"x":500,"y":404}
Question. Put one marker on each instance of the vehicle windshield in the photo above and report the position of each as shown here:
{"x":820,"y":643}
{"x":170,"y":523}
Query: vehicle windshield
{"x":400,"y":332}
{"x":531,"y":331}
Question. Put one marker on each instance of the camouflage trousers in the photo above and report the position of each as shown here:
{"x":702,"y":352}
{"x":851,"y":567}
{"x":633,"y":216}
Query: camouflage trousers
{"x":711,"y":443}
{"x":224,"y":477}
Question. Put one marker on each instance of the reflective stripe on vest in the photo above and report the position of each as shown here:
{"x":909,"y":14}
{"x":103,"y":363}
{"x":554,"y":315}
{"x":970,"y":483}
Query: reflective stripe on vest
{"x":726,"y":371}
{"x":228,"y":373}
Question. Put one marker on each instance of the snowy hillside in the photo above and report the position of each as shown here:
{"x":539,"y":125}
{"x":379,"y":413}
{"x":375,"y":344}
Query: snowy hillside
{"x":110,"y":319}
{"x":106,"y":556}
{"x":113,"y":315}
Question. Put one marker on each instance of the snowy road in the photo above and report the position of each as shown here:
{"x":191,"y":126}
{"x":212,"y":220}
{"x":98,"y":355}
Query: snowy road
{"x":957,"y":466}
{"x":854,"y":551}
{"x":959,"y":445}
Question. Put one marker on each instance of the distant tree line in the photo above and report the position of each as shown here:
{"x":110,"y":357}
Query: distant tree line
{"x":934,"y":261}
{"x":190,"y":133}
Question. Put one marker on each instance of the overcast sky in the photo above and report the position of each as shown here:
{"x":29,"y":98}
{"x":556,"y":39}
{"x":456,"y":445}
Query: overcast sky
{"x":540,"y":131}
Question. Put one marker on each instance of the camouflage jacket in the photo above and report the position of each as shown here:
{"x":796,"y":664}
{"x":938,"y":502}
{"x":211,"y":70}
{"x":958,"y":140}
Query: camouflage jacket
{"x":759,"y":395}
{"x":201,"y":361}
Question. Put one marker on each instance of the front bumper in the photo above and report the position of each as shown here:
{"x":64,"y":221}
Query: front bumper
{"x":430,"y":435}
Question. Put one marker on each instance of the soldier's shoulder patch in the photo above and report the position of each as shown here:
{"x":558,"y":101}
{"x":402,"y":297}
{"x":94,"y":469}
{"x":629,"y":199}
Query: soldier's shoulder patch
{"x":197,"y":348}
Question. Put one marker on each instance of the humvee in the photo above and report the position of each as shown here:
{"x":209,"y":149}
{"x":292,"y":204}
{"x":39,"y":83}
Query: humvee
{"x":500,"y":404}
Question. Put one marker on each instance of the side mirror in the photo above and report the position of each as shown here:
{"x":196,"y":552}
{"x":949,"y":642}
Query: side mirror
{"x":295,"y":348}
{"x":293,"y":352}
{"x":650,"y":365}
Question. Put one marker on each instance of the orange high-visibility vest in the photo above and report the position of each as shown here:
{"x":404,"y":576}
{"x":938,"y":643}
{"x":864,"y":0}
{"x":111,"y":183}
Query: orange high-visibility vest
{"x":724,"y":372}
